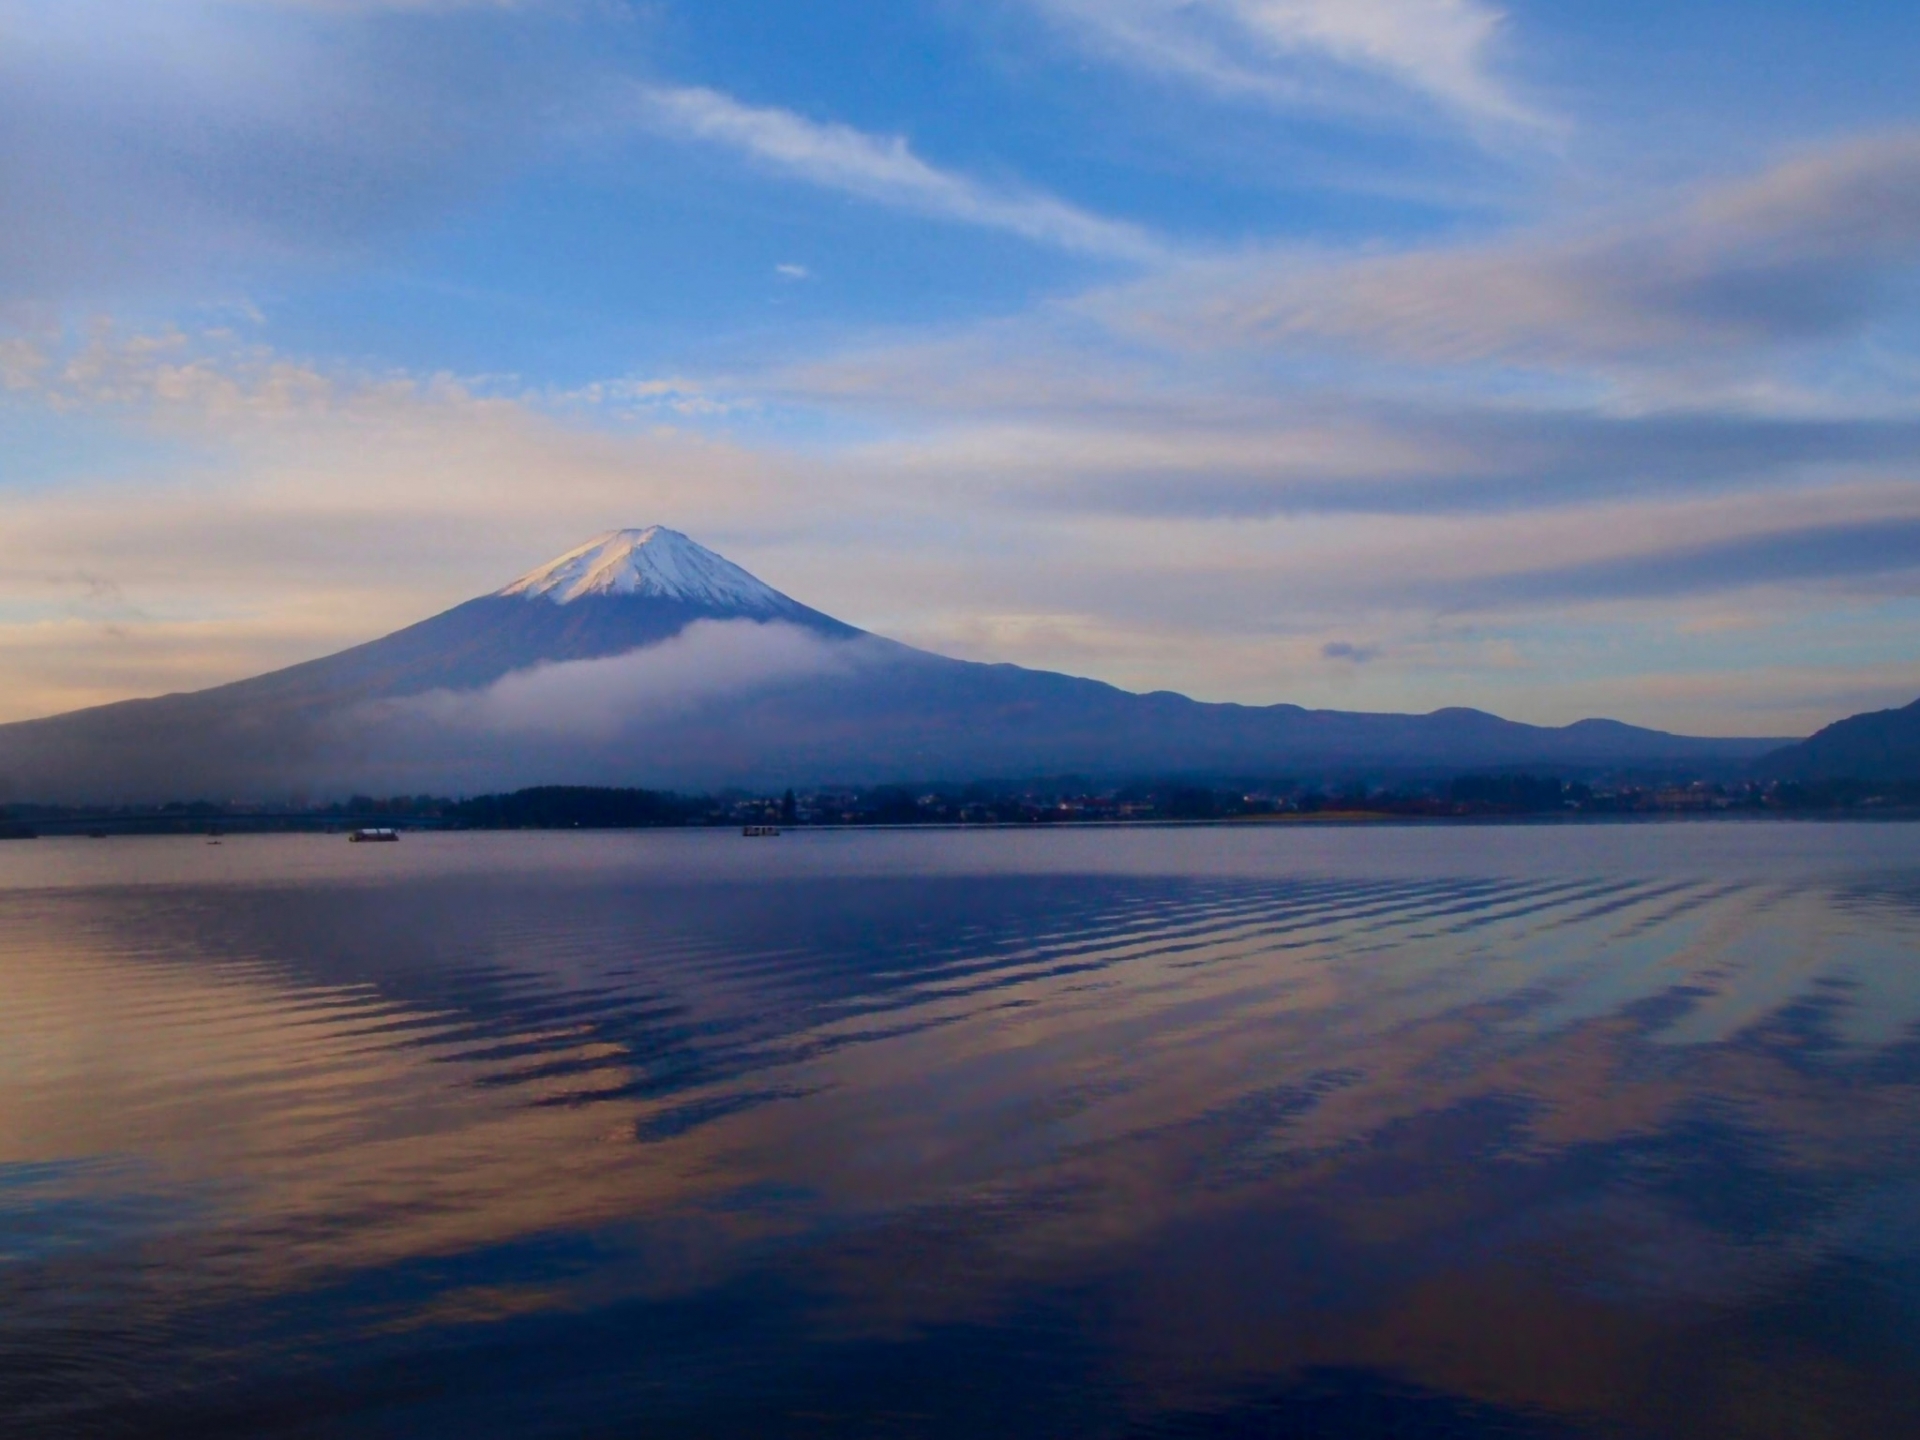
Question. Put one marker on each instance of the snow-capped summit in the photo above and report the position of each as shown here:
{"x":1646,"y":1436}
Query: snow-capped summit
{"x":655,"y":561}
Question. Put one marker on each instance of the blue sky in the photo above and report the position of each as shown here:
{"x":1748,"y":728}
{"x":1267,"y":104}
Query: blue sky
{"x":1559,"y":358}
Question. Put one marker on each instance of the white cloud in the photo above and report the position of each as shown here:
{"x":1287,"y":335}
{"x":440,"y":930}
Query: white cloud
{"x":600,"y":699}
{"x":793,"y":272}
{"x":1441,"y":49}
{"x":885,"y":170}
{"x":634,"y":395}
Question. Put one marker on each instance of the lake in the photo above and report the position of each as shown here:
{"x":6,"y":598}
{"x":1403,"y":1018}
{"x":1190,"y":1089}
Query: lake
{"x":1557,"y":1130}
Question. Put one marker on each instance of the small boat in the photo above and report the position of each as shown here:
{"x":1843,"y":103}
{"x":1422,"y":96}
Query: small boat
{"x":760,"y":831}
{"x":372,"y":833}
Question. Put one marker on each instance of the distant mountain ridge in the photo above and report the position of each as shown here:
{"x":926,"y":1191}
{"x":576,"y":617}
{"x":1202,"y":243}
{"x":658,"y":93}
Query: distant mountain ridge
{"x":642,"y":657}
{"x":1878,"y":745}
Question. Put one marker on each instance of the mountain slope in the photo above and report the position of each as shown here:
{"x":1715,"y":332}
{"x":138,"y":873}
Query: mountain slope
{"x":643,"y":658}
{"x":1879,"y":745}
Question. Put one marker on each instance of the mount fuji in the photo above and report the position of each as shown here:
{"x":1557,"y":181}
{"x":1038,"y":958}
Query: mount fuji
{"x":620,"y":592}
{"x":644,"y":658}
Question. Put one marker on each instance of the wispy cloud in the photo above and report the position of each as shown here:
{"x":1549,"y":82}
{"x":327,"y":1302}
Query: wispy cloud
{"x":1754,"y":335}
{"x":1440,"y":49}
{"x":1382,"y":459}
{"x":1802,"y":252}
{"x":885,"y":170}
{"x":1851,"y":552}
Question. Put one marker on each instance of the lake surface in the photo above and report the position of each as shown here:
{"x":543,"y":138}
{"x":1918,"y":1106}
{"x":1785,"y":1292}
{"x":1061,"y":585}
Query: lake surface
{"x":1397,"y":1131}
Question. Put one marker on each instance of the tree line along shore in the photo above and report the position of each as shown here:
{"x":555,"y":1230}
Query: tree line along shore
{"x":1067,"y":800}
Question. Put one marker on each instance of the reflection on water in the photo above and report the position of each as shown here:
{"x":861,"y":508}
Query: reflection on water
{"x":1454,"y":1132}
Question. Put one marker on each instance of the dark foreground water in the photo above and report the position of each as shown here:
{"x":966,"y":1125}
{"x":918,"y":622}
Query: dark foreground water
{"x":1528,"y":1131}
